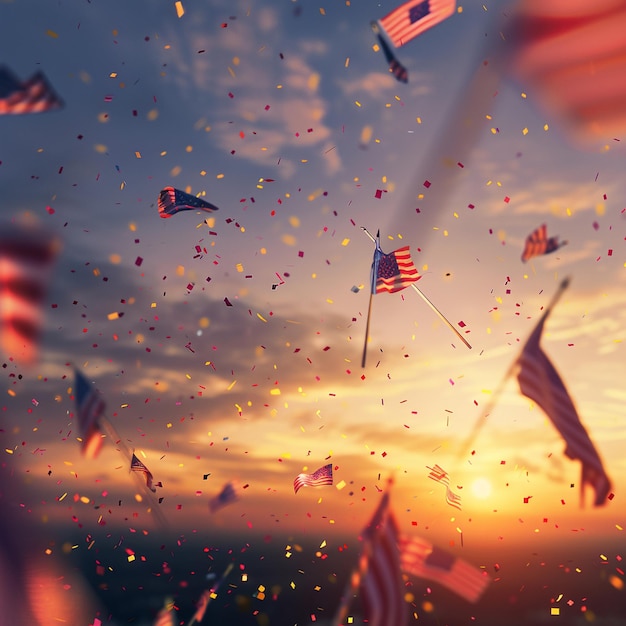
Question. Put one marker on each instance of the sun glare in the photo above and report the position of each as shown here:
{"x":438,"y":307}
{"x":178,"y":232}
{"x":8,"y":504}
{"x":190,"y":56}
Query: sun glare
{"x":481,"y":488}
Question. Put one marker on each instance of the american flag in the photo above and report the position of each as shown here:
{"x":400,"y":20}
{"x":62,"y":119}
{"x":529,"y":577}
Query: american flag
{"x":321,"y":476}
{"x":413,"y":18}
{"x":26,"y":257}
{"x":381,"y":585}
{"x":229,"y":494}
{"x":202,"y":605}
{"x":438,"y":474}
{"x":137,"y":466}
{"x":32,"y":96}
{"x":165,"y":616}
{"x":539,"y":381}
{"x":172,"y":200}
{"x":420,"y":558}
{"x":538,"y":243}
{"x":574,"y":59}
{"x":90,"y":407}
{"x":394,"y":271}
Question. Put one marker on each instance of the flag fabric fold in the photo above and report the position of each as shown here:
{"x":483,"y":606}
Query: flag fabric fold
{"x":539,"y":381}
{"x":320,"y":477}
{"x":26,"y":258}
{"x":35,"y":95}
{"x":413,"y":18}
{"x":420,"y":558}
{"x":395,"y":67}
{"x":381,"y":586}
{"x":90,"y":408}
{"x":136,"y":465}
{"x":394,"y":271}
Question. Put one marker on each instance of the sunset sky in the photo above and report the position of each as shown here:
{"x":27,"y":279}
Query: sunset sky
{"x":283,"y":115}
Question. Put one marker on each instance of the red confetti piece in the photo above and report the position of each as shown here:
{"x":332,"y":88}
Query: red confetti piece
{"x":427,"y":184}
{"x":50,"y":210}
{"x":507,"y":199}
{"x":227,"y":302}
{"x":462,"y":324}
{"x":138,"y":261}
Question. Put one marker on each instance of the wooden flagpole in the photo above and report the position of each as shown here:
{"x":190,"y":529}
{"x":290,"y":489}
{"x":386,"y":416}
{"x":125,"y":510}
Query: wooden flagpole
{"x":480,"y":422}
{"x":430,"y":304}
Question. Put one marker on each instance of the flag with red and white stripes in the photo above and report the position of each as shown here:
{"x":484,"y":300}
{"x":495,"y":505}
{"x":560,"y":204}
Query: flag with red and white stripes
{"x":539,"y":381}
{"x":320,"y":477}
{"x":538,"y":243}
{"x":438,"y":474}
{"x":35,"y":95}
{"x":420,"y":558}
{"x":413,"y":18}
{"x":26,"y":257}
{"x":90,"y":408}
{"x":136,"y":465}
{"x":394,"y":271}
{"x":381,"y":586}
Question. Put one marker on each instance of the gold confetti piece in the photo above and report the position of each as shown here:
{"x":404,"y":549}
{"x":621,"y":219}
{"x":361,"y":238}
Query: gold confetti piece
{"x":261,"y":317}
{"x":180,"y":11}
{"x":347,"y":62}
{"x":555,"y":610}
{"x":137,"y":154}
{"x":525,"y":131}
{"x":357,"y":103}
{"x":231,"y":385}
{"x":340,"y":485}
{"x":113,"y":316}
{"x":346,"y":241}
{"x":275,"y":391}
{"x":52,"y":34}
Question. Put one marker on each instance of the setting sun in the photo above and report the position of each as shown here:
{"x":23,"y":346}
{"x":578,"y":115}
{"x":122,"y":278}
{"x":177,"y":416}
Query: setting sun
{"x":481,"y":488}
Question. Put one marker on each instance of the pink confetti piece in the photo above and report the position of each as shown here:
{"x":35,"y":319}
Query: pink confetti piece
{"x":427,"y":184}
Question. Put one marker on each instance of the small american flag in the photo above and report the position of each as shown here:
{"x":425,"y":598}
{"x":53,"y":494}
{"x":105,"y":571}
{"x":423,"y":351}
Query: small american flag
{"x":438,"y":474}
{"x":320,"y":477}
{"x":229,"y":494}
{"x":90,"y":407}
{"x":394,"y":271}
{"x":538,"y":243}
{"x":413,"y":18}
{"x":539,"y":381}
{"x":420,"y":558}
{"x":32,"y":96}
{"x":137,"y":466}
{"x":165,"y":617}
{"x":172,"y":201}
